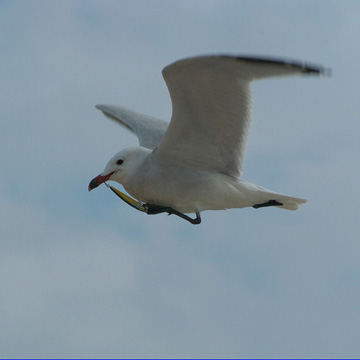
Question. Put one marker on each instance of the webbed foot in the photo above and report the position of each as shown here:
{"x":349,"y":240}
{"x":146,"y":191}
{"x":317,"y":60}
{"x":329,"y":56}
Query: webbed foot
{"x":268,"y":203}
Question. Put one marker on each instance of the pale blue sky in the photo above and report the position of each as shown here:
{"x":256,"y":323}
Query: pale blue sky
{"x":84,"y":275}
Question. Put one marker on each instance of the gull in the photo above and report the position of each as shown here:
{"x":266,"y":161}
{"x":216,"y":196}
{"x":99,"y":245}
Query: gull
{"x":194,"y":163}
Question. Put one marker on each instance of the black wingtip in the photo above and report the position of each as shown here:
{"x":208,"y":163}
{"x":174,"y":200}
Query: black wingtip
{"x":307,"y":68}
{"x":304,"y":67}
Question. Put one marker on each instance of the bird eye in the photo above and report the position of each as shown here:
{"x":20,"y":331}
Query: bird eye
{"x":119,"y":162}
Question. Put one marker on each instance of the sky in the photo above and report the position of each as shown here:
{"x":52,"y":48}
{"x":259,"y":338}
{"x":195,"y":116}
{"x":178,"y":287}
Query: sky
{"x":84,"y":275}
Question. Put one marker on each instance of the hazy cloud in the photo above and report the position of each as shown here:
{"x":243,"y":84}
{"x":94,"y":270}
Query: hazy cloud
{"x":83,"y":275}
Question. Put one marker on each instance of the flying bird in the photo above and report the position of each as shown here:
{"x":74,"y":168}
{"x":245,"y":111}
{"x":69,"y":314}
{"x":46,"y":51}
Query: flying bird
{"x":194,"y":163}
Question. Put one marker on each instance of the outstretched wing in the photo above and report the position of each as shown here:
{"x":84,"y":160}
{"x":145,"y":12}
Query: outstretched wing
{"x":211,"y":102}
{"x":148,"y":129}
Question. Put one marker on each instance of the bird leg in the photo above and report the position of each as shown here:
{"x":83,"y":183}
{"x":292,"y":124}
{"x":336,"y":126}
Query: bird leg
{"x":152,"y":209}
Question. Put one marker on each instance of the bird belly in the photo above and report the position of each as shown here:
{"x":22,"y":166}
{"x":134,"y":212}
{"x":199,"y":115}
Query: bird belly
{"x":189,"y":191}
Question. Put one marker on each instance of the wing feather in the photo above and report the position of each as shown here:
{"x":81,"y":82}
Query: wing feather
{"x":211,"y":102}
{"x":149,"y":130}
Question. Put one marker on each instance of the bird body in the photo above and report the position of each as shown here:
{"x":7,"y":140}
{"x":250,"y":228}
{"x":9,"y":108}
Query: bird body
{"x":187,"y":190}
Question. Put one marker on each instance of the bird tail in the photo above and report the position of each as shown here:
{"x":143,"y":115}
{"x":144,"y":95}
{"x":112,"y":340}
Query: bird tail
{"x":258,"y":197}
{"x":281,"y":201}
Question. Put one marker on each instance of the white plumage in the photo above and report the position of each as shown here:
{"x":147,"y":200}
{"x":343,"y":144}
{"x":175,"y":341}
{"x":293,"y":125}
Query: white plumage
{"x":193,"y":163}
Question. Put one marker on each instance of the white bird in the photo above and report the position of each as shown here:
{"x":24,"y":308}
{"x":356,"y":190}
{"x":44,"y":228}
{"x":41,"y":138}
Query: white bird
{"x":194,"y":163}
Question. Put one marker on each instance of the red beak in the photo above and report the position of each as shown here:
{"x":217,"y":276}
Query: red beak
{"x":98,"y":180}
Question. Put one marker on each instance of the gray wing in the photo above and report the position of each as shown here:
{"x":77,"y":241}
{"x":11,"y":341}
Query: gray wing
{"x":211,"y":102}
{"x":148,"y":129}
